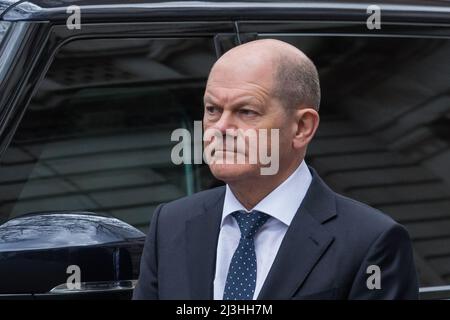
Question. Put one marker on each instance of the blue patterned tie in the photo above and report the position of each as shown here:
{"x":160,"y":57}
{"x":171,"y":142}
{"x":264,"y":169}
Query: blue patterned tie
{"x":241,"y":278}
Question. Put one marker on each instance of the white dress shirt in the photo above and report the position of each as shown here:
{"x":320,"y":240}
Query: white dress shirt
{"x":281,"y":204}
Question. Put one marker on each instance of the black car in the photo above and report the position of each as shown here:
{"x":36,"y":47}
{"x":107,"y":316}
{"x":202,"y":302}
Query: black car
{"x":91,"y":92}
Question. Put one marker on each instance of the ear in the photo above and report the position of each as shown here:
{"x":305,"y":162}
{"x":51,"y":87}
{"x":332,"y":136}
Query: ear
{"x":307,"y":121}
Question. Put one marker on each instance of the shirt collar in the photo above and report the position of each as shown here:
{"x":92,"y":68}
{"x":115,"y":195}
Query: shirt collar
{"x":281,"y":203}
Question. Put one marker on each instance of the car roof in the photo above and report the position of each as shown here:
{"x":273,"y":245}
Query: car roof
{"x":153,"y":10}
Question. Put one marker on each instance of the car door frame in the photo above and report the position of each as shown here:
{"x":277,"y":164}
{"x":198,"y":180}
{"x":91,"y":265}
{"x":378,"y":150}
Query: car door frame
{"x":356,"y":29}
{"x":30,"y":47}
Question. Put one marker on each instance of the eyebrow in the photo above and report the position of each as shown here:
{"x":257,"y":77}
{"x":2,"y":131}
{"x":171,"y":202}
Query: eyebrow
{"x":209,"y":99}
{"x":239,"y":104}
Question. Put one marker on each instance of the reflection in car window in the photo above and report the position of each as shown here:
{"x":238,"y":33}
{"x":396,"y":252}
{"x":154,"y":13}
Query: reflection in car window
{"x":384,"y":136}
{"x":3,"y":28}
{"x":97,"y":134}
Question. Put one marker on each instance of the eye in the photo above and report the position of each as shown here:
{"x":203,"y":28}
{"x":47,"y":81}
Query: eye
{"x":247,"y":112}
{"x":211,"y":109}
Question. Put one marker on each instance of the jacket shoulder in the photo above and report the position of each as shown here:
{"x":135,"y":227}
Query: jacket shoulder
{"x":184,"y":207}
{"x":362,"y":218}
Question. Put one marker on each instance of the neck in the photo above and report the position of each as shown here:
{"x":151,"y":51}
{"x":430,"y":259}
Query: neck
{"x":250,"y":192}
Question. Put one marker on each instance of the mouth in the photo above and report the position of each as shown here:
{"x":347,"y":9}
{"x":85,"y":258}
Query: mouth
{"x":226,"y":151}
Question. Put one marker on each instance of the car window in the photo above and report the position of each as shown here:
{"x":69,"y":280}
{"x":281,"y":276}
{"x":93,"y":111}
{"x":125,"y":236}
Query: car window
{"x":97,"y":134}
{"x":3,"y":28}
{"x":384,"y":136}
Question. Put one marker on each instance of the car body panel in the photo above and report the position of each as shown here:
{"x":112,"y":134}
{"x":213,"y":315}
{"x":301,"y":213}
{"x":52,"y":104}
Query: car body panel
{"x":104,"y":11}
{"x":105,"y":248}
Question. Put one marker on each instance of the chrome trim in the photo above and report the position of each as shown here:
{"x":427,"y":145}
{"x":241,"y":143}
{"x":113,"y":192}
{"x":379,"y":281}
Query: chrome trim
{"x":105,"y":11}
{"x":92,"y":287}
{"x":435,"y":293}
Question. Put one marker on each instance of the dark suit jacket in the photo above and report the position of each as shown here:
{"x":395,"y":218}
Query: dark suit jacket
{"x":324,"y":255}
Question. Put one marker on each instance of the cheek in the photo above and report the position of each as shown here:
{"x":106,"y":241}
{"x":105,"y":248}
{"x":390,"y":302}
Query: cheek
{"x":284,"y":141}
{"x":206,"y":122}
{"x":207,"y":126}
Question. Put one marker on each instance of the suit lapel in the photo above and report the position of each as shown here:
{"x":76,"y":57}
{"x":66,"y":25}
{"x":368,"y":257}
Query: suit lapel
{"x":304,"y":243}
{"x":202,"y":233}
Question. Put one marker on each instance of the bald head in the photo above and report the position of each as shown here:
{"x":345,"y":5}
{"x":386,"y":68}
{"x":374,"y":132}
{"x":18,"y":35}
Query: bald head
{"x":287,"y":71}
{"x":261,"y":87}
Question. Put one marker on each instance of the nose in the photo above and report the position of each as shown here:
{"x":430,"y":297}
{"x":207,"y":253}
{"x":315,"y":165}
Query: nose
{"x":225,"y":122}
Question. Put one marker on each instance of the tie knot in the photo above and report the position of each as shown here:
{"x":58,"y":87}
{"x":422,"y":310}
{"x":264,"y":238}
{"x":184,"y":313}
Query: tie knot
{"x":249,"y":223}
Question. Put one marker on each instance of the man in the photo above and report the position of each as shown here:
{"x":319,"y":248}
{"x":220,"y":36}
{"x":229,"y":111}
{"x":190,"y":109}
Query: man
{"x":279,"y":236}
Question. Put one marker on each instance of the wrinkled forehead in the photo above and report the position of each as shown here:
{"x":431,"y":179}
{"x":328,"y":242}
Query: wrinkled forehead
{"x":228,"y":86}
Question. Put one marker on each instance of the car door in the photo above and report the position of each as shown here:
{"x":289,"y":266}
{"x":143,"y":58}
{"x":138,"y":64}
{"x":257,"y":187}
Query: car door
{"x":384,"y":136}
{"x":87,"y":151}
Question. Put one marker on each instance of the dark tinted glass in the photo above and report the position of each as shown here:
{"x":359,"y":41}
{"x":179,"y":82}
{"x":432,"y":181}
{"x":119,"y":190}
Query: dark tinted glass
{"x":384,"y":136}
{"x":97,"y":134}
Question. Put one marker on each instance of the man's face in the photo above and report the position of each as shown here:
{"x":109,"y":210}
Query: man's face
{"x":240,"y":97}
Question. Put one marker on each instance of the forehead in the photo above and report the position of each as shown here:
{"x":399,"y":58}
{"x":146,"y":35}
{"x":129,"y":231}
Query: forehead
{"x":231,"y":96}
{"x":249,"y":68}
{"x":231,"y":82}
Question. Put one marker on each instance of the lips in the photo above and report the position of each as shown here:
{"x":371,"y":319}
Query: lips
{"x":226,"y":151}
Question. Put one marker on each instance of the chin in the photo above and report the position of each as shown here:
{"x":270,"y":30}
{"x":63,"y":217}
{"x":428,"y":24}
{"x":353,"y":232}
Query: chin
{"x":233,"y":172}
